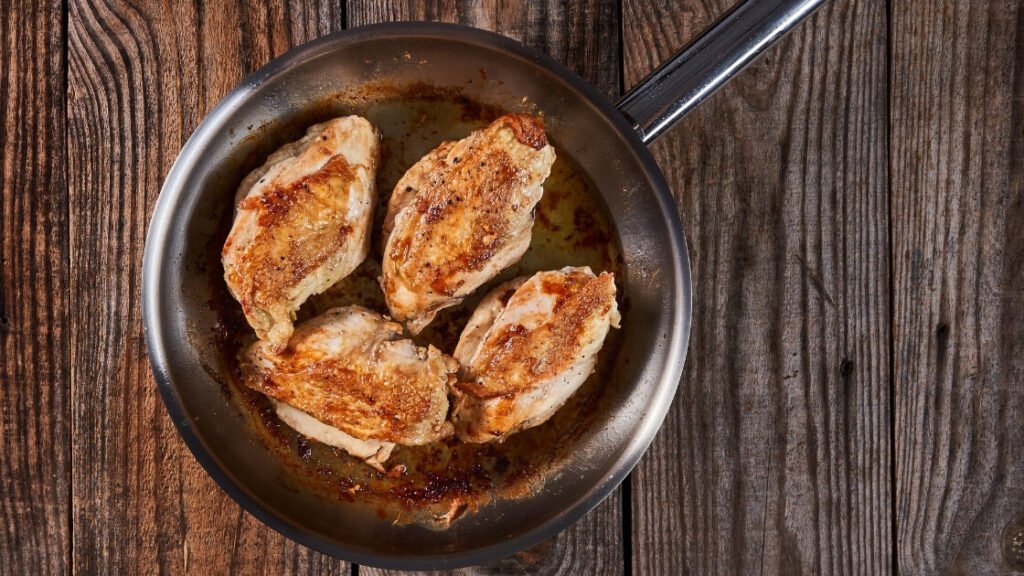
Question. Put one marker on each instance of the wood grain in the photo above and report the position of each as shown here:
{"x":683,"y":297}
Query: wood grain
{"x":958,"y":234}
{"x":776,"y":455}
{"x":583,"y":35}
{"x":34,"y":399}
{"x":141,"y":77}
{"x":822,"y":286}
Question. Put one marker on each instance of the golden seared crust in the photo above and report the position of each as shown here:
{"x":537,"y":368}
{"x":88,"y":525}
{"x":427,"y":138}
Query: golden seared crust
{"x":415,"y":179}
{"x":528,"y":129}
{"x":373,"y":452}
{"x":302,"y":223}
{"x":350,"y":369}
{"x":385,"y":405}
{"x":442,"y":251}
{"x":524,"y":354}
{"x":314,"y":221}
{"x":513,"y":356}
{"x":461,"y":215}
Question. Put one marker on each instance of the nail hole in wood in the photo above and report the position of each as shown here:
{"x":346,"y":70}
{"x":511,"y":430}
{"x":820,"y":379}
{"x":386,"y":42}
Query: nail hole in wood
{"x":846,"y":367}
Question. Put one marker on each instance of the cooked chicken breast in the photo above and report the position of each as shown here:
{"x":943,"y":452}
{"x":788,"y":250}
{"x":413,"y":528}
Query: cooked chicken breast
{"x":350,"y":369}
{"x":373,"y":452}
{"x":303,"y":223}
{"x":461,"y":215}
{"x":528,"y":346}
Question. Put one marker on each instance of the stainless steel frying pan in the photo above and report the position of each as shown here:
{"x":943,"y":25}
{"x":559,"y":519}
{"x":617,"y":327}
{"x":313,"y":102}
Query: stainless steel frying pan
{"x":607,"y":141}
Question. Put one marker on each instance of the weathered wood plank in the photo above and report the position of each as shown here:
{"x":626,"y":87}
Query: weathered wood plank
{"x":584,"y":35}
{"x":958,"y":235}
{"x":34,"y":401}
{"x":142,"y":75}
{"x":776,"y":455}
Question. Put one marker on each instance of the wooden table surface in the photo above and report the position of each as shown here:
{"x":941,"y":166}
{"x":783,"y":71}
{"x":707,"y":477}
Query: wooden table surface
{"x":853,"y":400}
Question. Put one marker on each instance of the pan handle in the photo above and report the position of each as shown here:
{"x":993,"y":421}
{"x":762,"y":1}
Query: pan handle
{"x":709,"y":62}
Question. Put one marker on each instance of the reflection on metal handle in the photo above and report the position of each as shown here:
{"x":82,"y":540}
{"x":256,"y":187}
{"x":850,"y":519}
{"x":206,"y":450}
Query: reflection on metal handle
{"x":709,"y":62}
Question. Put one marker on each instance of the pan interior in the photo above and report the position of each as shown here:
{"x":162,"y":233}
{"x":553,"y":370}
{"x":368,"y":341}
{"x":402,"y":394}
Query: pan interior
{"x":427,"y":482}
{"x":419,"y":89}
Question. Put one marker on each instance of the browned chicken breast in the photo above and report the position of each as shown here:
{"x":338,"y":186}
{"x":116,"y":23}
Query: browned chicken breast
{"x":461,"y":215}
{"x":350,"y":370}
{"x":528,"y":346}
{"x":302,"y":224}
{"x":373,"y":452}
